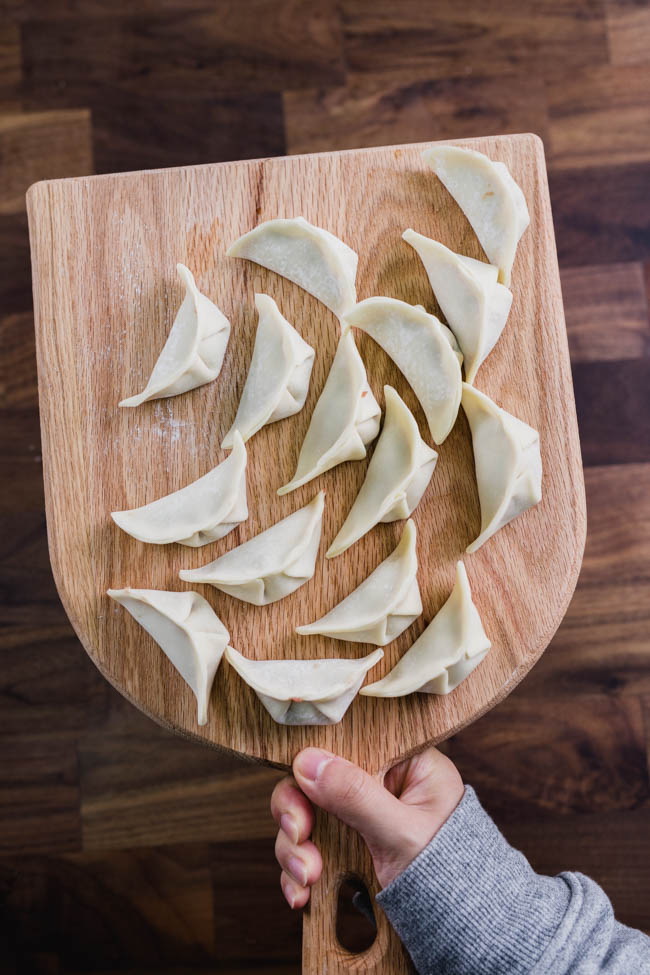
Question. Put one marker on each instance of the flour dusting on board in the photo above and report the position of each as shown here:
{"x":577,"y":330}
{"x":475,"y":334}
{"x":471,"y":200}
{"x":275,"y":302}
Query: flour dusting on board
{"x":160,"y":426}
{"x":167,"y":427}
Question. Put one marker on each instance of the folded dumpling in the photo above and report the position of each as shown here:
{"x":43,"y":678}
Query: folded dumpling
{"x":194,"y":350}
{"x":475,"y":305}
{"x":187,"y":629}
{"x":383,"y":606}
{"x":345,"y":418}
{"x":299,"y":692}
{"x":507,"y":460}
{"x":488,"y":196}
{"x":309,"y":256}
{"x":271,"y":565}
{"x":278,"y":377}
{"x":397,"y":476}
{"x":453,"y":644}
{"x":201,"y":512}
{"x":423,"y":348}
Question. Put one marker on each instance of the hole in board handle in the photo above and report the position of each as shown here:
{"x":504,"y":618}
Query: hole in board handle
{"x":356,"y":927}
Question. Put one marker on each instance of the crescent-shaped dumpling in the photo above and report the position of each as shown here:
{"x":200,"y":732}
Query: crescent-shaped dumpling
{"x":383,"y":606}
{"x":423,"y":349}
{"x":475,"y":305}
{"x":345,"y":418}
{"x":453,"y":644}
{"x":194,"y":350}
{"x":271,"y":565}
{"x":488,"y":196}
{"x":187,"y":629}
{"x":507,"y":460}
{"x":278,"y":377}
{"x":309,"y":256}
{"x":201,"y":512}
{"x":303,"y":692}
{"x":397,"y":476}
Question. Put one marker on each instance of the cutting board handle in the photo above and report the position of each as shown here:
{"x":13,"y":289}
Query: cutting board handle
{"x":345,"y":855}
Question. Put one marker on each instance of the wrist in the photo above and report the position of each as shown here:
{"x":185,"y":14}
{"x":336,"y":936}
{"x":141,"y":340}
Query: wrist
{"x":413,"y":835}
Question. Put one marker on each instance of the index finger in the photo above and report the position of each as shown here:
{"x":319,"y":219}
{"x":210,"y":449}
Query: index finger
{"x":292,"y":810}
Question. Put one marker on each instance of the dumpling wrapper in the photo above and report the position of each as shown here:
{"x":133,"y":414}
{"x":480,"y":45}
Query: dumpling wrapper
{"x":271,"y":565}
{"x":194,"y":350}
{"x":201,"y":512}
{"x":188,"y":631}
{"x":304,"y":692}
{"x":397,"y":476}
{"x":488,"y":196}
{"x":278,"y":378}
{"x":345,"y":418}
{"x":453,"y":644}
{"x":507,"y":460}
{"x":475,"y":305}
{"x":383,"y":606}
{"x":423,"y":348}
{"x":311,"y":257}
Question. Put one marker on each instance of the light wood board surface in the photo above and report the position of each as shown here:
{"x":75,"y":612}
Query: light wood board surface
{"x":104,"y":251}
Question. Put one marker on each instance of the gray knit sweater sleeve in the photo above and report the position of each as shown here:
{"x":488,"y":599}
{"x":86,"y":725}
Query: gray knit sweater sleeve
{"x":470,"y":904}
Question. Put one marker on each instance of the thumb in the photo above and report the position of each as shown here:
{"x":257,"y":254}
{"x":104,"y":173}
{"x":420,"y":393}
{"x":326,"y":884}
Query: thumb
{"x":353,"y":796}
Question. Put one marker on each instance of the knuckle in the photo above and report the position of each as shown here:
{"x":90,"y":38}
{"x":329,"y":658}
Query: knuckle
{"x":279,"y":847}
{"x":314,"y":869}
{"x":281,"y":797}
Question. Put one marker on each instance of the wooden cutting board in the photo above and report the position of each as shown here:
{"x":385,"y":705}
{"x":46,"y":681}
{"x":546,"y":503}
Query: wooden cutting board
{"x":104,"y":251}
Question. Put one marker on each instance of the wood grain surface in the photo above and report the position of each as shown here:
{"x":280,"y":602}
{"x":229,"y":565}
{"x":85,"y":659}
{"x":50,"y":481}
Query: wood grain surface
{"x":322,"y":950}
{"x":100,"y":323}
{"x":125,"y":847}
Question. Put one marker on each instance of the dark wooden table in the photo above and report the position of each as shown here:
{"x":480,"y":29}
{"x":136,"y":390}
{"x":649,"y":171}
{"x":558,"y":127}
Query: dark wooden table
{"x":124,"y":849}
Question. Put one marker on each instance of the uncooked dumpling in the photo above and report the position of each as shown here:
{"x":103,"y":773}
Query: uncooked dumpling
{"x":201,"y":512}
{"x":475,"y":305}
{"x":309,"y":256}
{"x":272,"y":564}
{"x":383,"y":606}
{"x":278,"y":377}
{"x":397,"y":476}
{"x":187,"y":629}
{"x":194,"y":350}
{"x":423,"y":348}
{"x":300,"y":692}
{"x":345,"y":418}
{"x":507,"y":460}
{"x":453,"y":644}
{"x":488,"y":196}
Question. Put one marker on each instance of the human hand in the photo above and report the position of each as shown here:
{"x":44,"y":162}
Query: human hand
{"x":397,"y":819}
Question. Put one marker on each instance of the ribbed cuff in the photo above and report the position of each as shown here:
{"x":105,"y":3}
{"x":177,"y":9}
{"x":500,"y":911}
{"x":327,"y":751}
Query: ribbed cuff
{"x":471,"y":903}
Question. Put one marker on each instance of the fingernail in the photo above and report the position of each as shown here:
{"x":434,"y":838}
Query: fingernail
{"x":288,"y":894}
{"x":311,"y":762}
{"x":298,"y":870}
{"x":290,"y":826}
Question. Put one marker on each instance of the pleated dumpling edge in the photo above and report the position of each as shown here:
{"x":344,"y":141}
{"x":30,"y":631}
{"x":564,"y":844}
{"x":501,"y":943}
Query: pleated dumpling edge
{"x":489,"y":197}
{"x":278,"y":377}
{"x":397,"y":476}
{"x":272,"y":564}
{"x":345,"y":419}
{"x":383,"y":605}
{"x":304,"y":692}
{"x":475,"y":305}
{"x":194,"y":351}
{"x":187,"y":630}
{"x":507,"y":460}
{"x":201,"y":512}
{"x":452,"y":646}
{"x":422,"y":348}
{"x":314,"y":259}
